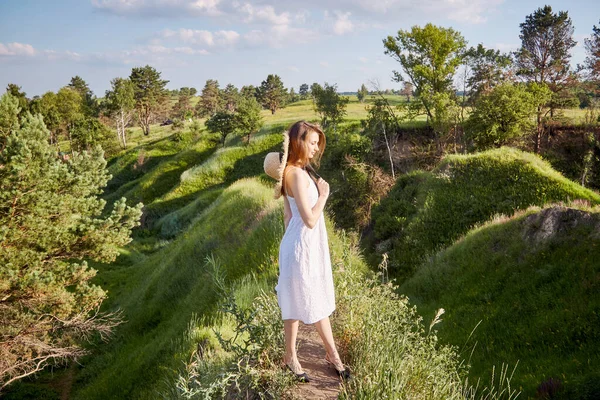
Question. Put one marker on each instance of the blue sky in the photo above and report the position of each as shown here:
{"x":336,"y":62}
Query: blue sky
{"x":45,"y":43}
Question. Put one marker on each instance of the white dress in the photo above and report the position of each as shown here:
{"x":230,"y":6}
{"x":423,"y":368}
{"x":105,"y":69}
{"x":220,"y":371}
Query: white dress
{"x":305,"y":287}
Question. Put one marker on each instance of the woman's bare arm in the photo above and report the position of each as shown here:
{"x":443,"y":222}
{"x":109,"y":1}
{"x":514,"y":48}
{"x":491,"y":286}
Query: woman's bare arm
{"x":299,"y":183}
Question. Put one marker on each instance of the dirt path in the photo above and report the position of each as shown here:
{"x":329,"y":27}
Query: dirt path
{"x":324,"y":384}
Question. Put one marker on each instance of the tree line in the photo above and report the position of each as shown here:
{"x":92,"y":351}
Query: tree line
{"x":506,"y":95}
{"x":75,"y":114}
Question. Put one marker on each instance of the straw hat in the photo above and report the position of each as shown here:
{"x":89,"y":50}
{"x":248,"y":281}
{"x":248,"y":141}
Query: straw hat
{"x":275,"y":163}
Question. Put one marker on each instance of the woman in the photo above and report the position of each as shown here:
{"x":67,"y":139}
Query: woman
{"x":305,"y":287}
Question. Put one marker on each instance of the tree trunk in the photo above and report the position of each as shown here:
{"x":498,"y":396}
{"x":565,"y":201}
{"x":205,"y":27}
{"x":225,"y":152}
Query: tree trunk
{"x":70,"y":140}
{"x":118,"y":132}
{"x":123,"y":138}
{"x":538,"y":131}
{"x":387,"y":144}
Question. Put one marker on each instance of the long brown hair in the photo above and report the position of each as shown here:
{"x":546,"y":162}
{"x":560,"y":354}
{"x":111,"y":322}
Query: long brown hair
{"x":298,"y":148}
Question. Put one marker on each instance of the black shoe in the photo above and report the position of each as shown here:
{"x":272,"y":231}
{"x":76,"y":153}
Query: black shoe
{"x":344,"y":373}
{"x":303,"y":377}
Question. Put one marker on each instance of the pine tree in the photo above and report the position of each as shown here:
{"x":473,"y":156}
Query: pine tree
{"x":303,"y":91}
{"x":51,"y":221}
{"x":272,"y":93}
{"x":210,"y":99}
{"x":150,"y":94}
{"x":230,"y":96}
{"x":546,"y":43}
{"x":592,"y":61}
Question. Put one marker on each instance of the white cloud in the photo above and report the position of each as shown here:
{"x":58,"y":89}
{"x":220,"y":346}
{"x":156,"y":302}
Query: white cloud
{"x":159,"y":8}
{"x":279,"y":36}
{"x":262,"y":13}
{"x":17,"y":49}
{"x":324,"y":64}
{"x":467,"y":11}
{"x":246,"y":11}
{"x":342,"y":23}
{"x":163,"y":50}
{"x":363,"y":59}
{"x":202,"y":37}
{"x":293,"y":68}
{"x":403,"y":11}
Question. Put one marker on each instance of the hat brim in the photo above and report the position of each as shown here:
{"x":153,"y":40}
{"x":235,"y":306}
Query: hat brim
{"x":282,"y":165}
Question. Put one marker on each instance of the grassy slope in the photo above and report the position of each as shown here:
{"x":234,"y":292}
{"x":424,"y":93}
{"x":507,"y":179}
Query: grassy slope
{"x":160,"y":292}
{"x":162,"y":284}
{"x":425,"y":211}
{"x":536,"y":302}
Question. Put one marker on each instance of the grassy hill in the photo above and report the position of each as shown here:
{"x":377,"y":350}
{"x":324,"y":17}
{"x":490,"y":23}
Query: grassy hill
{"x":204,"y":265}
{"x":161,"y":292}
{"x":529,"y":285}
{"x":427,"y":211}
{"x":215,"y":230}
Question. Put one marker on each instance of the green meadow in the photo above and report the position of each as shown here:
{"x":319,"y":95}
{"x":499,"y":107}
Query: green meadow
{"x":196,"y":285}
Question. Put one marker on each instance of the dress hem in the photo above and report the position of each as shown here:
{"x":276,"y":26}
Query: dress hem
{"x":310,"y":323}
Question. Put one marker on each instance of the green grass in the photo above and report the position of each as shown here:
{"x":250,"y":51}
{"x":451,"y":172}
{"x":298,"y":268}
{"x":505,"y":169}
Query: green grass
{"x":172,"y":301}
{"x":148,"y":172}
{"x":531,"y":301}
{"x":203,"y":200}
{"x":427,"y":211}
{"x":159,"y":293}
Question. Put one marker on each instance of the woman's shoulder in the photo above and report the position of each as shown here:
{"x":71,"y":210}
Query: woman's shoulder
{"x":294,"y":171}
{"x":295,"y":176}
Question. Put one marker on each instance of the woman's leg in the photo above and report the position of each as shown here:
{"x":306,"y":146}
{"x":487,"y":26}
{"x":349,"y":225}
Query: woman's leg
{"x":290,"y":329}
{"x":324,"y":328}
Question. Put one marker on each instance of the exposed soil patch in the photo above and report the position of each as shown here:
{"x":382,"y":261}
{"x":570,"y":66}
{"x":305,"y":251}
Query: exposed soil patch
{"x":324,"y":384}
{"x":555,"y":221}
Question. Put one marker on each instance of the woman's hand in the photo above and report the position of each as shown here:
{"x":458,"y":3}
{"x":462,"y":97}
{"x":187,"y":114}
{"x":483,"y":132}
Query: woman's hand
{"x":323,"y":188}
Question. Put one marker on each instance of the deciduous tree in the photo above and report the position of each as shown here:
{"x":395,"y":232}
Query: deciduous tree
{"x":292,"y":96}
{"x":362,"y":93}
{"x":247,"y":117}
{"x":69,"y":105}
{"x":223,"y":123}
{"x":120,"y":104}
{"x":407,"y":90}
{"x":48,"y":108}
{"x":503,"y":113}
{"x":429,"y":57}
{"x":488,"y":68}
{"x":331,"y":106}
